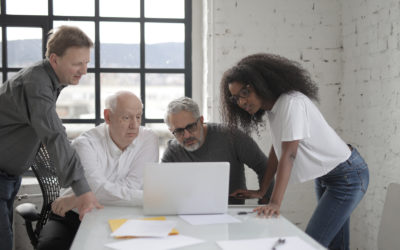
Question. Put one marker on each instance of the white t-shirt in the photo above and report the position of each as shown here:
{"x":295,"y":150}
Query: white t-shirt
{"x":295,"y":117}
{"x":115,"y":176}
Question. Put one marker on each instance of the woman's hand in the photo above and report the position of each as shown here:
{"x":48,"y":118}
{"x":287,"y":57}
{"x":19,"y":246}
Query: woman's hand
{"x":269,"y":210}
{"x":246,"y":194}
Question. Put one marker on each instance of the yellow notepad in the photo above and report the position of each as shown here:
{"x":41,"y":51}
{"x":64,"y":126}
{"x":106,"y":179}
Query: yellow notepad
{"x":116,"y":223}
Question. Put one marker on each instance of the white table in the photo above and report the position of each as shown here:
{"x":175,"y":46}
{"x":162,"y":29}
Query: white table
{"x":94,"y":231}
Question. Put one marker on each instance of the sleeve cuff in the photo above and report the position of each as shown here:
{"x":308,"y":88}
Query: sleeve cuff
{"x":80,"y":187}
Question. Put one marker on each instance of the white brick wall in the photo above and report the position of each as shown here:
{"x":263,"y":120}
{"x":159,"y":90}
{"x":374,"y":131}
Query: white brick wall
{"x":370,"y":107}
{"x":352,"y":50}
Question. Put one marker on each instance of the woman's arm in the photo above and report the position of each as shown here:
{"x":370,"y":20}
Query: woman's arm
{"x":269,"y":174}
{"x":283,"y":171}
{"x":270,"y":171}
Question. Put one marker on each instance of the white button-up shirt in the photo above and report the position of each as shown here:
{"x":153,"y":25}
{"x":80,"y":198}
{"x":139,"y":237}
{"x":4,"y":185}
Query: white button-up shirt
{"x":115,"y":176}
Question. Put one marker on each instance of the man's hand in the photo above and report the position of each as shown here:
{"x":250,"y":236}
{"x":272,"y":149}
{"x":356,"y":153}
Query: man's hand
{"x":63,"y":204}
{"x":85,"y":203}
{"x":246,"y":194}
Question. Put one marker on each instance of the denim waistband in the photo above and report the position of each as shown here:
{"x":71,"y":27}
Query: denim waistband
{"x":354,"y":154}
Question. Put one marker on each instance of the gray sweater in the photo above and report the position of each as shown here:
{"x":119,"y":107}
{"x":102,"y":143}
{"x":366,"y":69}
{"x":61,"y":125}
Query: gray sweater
{"x":28,"y":117}
{"x":220,"y":144}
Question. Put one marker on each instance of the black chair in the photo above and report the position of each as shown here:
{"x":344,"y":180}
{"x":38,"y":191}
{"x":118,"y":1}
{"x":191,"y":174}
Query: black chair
{"x":388,"y":234}
{"x":44,"y":171}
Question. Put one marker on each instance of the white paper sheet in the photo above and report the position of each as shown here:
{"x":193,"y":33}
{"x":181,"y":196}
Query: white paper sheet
{"x":206,"y":219}
{"x":291,"y":243}
{"x":169,"y":242}
{"x":145,"y":228}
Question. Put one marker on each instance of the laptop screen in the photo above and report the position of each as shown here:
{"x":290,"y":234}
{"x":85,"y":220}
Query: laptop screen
{"x":186,"y":188}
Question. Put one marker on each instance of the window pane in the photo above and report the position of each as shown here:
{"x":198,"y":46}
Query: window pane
{"x":165,"y":8}
{"x":27,"y":7}
{"x":87,"y":27}
{"x":73,"y":7}
{"x":120,"y":8}
{"x":11,"y":74}
{"x":165,"y":45}
{"x":119,"y":45}
{"x":160,"y":90}
{"x":24,"y":46}
{"x":164,"y":135}
{"x":78,"y":101}
{"x":74,"y":130}
{"x":1,"y":47}
{"x":113,"y":82}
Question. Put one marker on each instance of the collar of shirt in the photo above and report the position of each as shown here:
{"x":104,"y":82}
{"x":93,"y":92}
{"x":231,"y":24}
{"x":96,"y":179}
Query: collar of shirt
{"x":280,"y":99}
{"x":52,"y":74}
{"x":113,"y":148}
{"x":275,"y":107}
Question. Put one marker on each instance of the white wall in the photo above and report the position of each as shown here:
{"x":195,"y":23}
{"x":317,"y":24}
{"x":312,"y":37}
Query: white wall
{"x":307,"y":32}
{"x":352,"y":50}
{"x":370,"y":102}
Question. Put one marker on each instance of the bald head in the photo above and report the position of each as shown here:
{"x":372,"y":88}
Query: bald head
{"x":123,"y":113}
{"x":122,"y":97}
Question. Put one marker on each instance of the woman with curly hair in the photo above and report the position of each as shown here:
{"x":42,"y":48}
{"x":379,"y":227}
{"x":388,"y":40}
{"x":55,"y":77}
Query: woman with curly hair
{"x":304,"y":146}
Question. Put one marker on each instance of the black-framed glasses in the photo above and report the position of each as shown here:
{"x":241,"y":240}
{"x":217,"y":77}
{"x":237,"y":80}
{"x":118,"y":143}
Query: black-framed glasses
{"x":191,"y":127}
{"x":243,"y":93}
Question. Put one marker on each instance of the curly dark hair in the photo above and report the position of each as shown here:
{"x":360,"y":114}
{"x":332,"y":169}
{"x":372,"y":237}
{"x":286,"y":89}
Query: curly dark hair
{"x":270,"y":76}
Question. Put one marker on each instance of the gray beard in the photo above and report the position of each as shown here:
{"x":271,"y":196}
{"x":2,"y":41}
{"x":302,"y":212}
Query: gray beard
{"x":193,"y":147}
{"x":197,"y":145}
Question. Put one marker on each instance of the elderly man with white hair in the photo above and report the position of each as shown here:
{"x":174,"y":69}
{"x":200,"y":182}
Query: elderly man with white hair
{"x":113,"y":155}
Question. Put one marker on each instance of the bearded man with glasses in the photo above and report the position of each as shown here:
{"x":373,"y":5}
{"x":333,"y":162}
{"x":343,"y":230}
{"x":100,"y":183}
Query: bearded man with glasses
{"x":197,"y":141}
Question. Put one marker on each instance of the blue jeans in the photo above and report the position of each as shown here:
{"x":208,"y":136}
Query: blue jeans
{"x":338,"y":194}
{"x":9,"y":186}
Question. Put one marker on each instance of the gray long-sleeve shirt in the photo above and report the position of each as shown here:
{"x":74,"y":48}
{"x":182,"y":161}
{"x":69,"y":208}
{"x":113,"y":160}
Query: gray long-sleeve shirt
{"x":28,"y":117}
{"x":220,"y":144}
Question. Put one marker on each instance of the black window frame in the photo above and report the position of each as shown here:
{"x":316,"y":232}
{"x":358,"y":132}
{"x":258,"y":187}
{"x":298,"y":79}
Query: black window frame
{"x":46,"y":23}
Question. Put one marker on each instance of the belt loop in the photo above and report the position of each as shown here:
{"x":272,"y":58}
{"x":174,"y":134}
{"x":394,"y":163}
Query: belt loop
{"x":351,"y":151}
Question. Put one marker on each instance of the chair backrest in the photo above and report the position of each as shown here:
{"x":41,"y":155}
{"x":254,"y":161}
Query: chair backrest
{"x":388,"y":236}
{"x":48,"y":181}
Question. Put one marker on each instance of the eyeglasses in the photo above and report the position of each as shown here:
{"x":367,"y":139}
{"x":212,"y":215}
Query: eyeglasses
{"x":243,"y":93}
{"x":179,"y":132}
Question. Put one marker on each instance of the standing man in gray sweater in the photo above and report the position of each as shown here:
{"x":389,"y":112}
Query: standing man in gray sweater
{"x":28,"y":118}
{"x":196,"y":141}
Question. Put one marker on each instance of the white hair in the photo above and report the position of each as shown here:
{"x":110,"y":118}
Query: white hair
{"x":182,"y":104}
{"x":111,"y":100}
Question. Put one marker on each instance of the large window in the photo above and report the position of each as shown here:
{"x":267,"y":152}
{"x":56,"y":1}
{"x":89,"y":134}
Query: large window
{"x":140,"y":45}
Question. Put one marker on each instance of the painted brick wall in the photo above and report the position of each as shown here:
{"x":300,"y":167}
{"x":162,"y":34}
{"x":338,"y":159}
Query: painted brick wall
{"x":352,"y":50}
{"x":308,"y":32}
{"x":370,"y":102}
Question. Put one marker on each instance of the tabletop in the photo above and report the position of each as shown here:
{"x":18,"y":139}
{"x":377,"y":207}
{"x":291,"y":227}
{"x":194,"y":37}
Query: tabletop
{"x":94,"y":231}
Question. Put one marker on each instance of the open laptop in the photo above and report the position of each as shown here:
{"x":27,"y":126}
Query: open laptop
{"x":186,"y":188}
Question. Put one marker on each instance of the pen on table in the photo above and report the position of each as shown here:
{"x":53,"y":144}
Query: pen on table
{"x":280,"y":241}
{"x":245,"y":212}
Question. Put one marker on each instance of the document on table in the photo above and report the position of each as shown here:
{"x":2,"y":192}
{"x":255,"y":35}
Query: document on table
{"x":145,"y":228}
{"x":290,"y":243}
{"x":206,"y":219}
{"x":116,"y":223}
{"x":169,"y":242}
